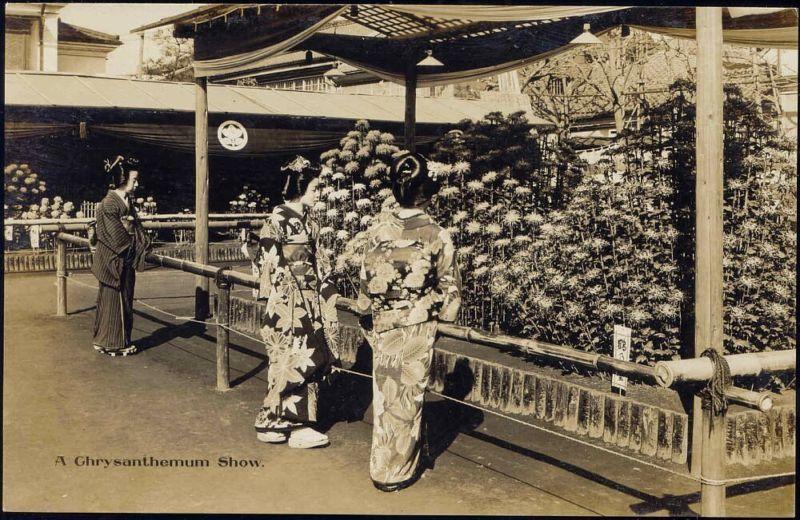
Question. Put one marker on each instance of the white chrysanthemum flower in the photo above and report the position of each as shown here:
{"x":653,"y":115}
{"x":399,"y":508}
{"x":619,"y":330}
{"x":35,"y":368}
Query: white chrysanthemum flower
{"x":351,"y":167}
{"x":497,"y":207}
{"x":387,"y":138}
{"x":342,"y":194}
{"x":69,"y":206}
{"x":474,"y":227}
{"x":363,"y":152}
{"x":384,"y":149}
{"x":481,"y":259}
{"x":351,"y":216}
{"x":513,"y":217}
{"x":332,"y":213}
{"x":452,"y":229}
{"x":319,"y":206}
{"x":481,"y":206}
{"x":522,"y":239}
{"x":370,"y":171}
{"x":375,"y":183}
{"x":494,"y":229}
{"x":338,"y":176}
{"x":449,"y":191}
{"x":342,"y":235}
{"x":502,"y":242}
{"x":45,"y":202}
{"x":475,"y":185}
{"x":385,"y":192}
{"x":363,"y":203}
{"x":522,"y":190}
{"x":466,"y":250}
{"x":79,"y":214}
{"x":480,"y":271}
{"x":327,"y":230}
{"x":359,"y":187}
{"x":533,"y":218}
{"x":638,"y":316}
{"x":461,"y":167}
{"x":327,"y":190}
{"x":459,"y":216}
{"x":489,"y":177}
{"x":510,"y":183}
{"x":366,"y":219}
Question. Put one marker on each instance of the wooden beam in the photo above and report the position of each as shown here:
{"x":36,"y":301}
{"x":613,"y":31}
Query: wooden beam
{"x":201,"y":304}
{"x":708,"y":248}
{"x":411,"y":106}
{"x":61,"y":278}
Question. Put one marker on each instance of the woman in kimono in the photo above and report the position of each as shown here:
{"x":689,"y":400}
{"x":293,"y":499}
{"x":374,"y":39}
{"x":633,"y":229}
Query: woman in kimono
{"x":120,"y":246}
{"x":300,"y":324}
{"x":409,"y":281}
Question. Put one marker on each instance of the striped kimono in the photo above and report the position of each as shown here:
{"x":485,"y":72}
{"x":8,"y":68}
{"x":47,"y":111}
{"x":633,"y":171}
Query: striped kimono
{"x":300,"y":323}
{"x":402,"y":336}
{"x":121,"y":248}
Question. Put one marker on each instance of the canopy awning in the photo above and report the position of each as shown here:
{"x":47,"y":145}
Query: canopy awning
{"x":236,"y":38}
{"x":162,"y":113}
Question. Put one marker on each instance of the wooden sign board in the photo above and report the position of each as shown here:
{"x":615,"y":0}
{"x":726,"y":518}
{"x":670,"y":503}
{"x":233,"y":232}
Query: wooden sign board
{"x":622,"y":350}
{"x":34,"y":235}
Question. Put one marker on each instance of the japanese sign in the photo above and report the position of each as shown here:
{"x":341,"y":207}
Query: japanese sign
{"x":622,"y":350}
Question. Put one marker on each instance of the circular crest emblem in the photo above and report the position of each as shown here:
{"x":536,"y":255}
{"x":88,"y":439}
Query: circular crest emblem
{"x":232,"y":135}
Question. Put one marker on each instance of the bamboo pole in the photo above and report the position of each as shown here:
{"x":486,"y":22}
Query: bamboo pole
{"x":61,"y":278}
{"x":143,"y":218}
{"x":219,"y":224}
{"x":223,"y":321}
{"x":668,"y":373}
{"x":201,"y":310}
{"x":708,"y":248}
{"x":411,"y":106}
{"x":758,"y":400}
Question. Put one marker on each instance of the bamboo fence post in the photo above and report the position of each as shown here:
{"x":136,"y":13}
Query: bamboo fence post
{"x":201,"y":194}
{"x":61,"y":278}
{"x":708,"y":253}
{"x":223,"y":336}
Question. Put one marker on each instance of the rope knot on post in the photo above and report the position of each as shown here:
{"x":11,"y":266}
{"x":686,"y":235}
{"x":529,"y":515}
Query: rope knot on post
{"x":713,"y":394}
{"x":218,"y":277}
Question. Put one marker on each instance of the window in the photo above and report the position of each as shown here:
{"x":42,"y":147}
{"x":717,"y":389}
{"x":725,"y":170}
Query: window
{"x":16,"y":50}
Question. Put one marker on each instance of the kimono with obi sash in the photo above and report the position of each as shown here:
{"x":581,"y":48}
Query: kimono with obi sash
{"x":300,"y":325}
{"x":406,"y":305}
{"x":121,"y":247}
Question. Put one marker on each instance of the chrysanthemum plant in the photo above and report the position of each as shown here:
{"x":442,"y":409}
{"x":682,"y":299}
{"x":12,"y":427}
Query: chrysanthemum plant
{"x":353,"y":185}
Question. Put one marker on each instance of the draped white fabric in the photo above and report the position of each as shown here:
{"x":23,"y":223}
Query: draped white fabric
{"x":497,"y":13}
{"x":777,"y":38}
{"x":448,"y":78}
{"x":259,"y":57}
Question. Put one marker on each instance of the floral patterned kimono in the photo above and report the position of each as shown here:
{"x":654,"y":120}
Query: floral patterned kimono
{"x":406,"y":306}
{"x":300,"y":323}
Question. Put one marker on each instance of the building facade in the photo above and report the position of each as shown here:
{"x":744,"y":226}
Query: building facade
{"x":36,"y":39}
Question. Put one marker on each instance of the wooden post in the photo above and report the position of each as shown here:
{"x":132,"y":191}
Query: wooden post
{"x":411,"y":106}
{"x":201,"y":194}
{"x":223,"y":320}
{"x":61,"y":278}
{"x":708,"y":248}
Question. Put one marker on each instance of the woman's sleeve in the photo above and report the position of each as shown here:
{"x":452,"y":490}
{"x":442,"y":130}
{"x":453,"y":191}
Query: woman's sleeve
{"x":111,"y":231}
{"x":267,"y":258}
{"x":449,"y":278}
{"x":324,"y":260}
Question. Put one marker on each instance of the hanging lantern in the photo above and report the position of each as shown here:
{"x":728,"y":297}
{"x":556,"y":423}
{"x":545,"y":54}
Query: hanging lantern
{"x":430,"y":61}
{"x":586,"y":37}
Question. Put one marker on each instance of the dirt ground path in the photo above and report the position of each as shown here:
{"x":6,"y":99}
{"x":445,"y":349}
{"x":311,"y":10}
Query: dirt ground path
{"x":67,"y":410}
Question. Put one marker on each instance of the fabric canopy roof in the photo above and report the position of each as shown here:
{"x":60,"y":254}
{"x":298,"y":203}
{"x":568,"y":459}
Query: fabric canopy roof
{"x":471,"y":41}
{"x":161,"y":113}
